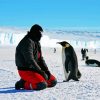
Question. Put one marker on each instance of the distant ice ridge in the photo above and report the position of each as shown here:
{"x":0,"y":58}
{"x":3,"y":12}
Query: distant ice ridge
{"x":13,"y":39}
{"x":10,"y":38}
{"x":50,"y":42}
{"x":78,"y":39}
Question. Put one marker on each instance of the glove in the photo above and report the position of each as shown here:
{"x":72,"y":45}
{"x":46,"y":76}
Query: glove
{"x":44,"y":75}
{"x":48,"y":74}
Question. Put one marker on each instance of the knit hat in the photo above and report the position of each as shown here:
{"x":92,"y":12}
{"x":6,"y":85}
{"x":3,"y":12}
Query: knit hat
{"x":35,"y":28}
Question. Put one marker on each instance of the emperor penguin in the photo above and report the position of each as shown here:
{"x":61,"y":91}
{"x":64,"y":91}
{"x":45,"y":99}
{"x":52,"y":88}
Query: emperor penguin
{"x":70,"y":62}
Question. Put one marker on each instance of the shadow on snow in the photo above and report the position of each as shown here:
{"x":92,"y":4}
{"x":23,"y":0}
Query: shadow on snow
{"x":12,"y":90}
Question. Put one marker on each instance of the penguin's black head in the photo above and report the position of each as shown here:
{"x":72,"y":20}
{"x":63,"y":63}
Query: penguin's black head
{"x":64,"y":44}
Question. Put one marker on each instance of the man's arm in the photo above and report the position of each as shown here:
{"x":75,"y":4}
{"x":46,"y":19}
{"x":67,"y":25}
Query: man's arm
{"x":27,"y":51}
{"x":41,"y":60}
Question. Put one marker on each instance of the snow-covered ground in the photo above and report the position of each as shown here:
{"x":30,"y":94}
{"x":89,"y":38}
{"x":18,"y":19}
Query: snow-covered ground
{"x":88,"y":88}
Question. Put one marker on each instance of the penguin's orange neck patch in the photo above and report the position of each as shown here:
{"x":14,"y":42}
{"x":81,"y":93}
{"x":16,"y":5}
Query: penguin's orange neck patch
{"x":66,"y":46}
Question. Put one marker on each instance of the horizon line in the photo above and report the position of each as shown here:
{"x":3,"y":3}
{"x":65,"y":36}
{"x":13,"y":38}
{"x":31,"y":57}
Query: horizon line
{"x":53,"y":28}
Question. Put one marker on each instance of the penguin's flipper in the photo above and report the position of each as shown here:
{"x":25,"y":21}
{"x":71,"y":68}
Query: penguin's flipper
{"x":68,"y":64}
{"x":65,"y":81}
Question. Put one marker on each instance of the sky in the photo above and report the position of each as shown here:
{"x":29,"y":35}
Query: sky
{"x":50,"y":13}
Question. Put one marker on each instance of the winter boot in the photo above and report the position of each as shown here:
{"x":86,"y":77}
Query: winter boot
{"x":41,"y":85}
{"x":19,"y":84}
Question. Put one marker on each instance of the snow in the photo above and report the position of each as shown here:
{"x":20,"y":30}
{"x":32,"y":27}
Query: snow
{"x":88,"y":88}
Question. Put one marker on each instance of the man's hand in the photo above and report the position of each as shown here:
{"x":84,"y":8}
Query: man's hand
{"x":44,"y":75}
{"x":48,"y":74}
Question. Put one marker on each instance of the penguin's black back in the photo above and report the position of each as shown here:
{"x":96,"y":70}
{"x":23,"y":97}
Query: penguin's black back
{"x":70,"y":54}
{"x":71,"y":63}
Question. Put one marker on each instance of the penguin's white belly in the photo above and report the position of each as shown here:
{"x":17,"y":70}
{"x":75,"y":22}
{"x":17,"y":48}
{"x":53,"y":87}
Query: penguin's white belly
{"x":63,"y":61}
{"x":63,"y":56}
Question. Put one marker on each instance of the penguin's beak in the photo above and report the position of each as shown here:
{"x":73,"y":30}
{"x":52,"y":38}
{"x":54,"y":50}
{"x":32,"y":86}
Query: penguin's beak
{"x":58,"y":42}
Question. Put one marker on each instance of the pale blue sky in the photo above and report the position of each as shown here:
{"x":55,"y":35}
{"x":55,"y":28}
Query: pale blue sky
{"x":50,"y":13}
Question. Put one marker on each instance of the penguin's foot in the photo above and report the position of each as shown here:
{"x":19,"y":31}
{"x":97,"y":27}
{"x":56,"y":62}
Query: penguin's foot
{"x":73,"y":78}
{"x":65,"y":81}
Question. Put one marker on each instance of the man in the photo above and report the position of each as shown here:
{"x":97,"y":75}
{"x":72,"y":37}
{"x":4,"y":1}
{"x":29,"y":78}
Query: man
{"x":31,"y":66}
